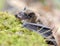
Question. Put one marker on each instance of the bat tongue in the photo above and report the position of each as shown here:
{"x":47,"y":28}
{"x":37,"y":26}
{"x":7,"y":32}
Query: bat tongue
{"x":42,"y":30}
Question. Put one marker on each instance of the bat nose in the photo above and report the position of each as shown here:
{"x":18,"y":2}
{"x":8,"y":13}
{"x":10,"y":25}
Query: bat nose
{"x":19,"y":15}
{"x":22,"y":14}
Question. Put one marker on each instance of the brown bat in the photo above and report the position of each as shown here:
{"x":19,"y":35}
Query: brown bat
{"x":35,"y":12}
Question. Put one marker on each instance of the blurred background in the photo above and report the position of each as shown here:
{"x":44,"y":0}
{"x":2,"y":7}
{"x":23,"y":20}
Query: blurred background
{"x":5,"y":4}
{"x":2,"y":2}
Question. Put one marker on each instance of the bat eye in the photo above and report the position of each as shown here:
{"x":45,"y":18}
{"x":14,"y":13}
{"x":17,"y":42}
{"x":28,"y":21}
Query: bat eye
{"x":31,"y":15}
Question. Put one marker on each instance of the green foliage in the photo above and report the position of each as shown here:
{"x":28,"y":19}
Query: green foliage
{"x":13,"y":34}
{"x":2,"y":4}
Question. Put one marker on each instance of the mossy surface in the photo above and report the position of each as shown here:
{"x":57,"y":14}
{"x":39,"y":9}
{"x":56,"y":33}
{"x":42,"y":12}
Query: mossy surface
{"x":13,"y":34}
{"x":2,"y":3}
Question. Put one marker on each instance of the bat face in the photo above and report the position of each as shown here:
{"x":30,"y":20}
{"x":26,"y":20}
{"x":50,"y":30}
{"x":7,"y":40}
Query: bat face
{"x":26,"y":15}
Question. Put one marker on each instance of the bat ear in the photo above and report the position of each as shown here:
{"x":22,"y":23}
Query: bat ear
{"x":25,"y":8}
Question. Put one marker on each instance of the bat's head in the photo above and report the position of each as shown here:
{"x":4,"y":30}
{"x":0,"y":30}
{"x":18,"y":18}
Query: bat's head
{"x":26,"y":15}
